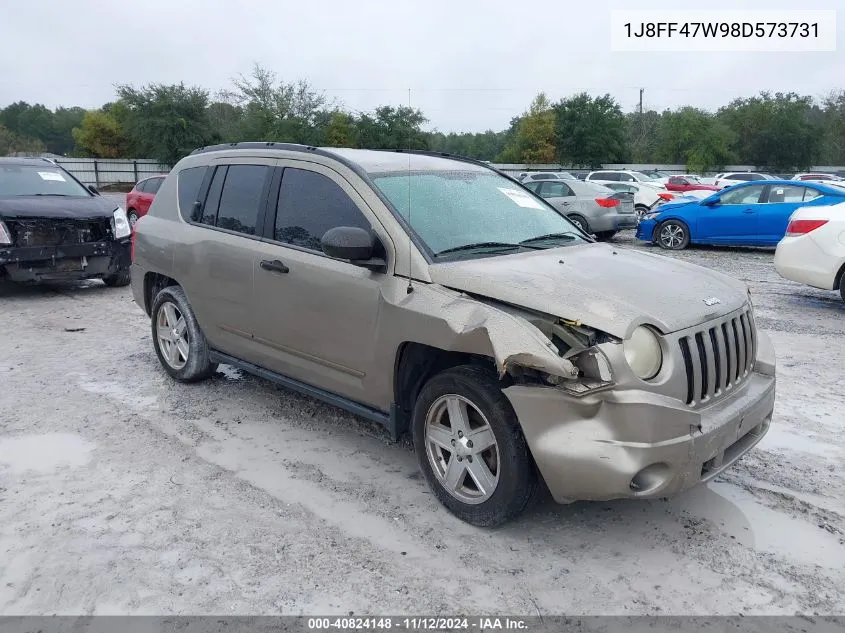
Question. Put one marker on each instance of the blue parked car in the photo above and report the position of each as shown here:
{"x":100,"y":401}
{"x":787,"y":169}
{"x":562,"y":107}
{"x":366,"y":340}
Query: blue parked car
{"x":749,"y":214}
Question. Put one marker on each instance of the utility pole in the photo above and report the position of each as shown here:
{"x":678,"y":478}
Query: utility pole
{"x":641,"y":99}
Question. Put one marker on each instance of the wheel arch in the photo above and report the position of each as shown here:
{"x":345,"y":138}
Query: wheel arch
{"x":153,"y":284}
{"x":415,"y":364}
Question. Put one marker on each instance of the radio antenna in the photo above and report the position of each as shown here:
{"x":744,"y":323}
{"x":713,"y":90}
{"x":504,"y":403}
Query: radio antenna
{"x":410,"y":288}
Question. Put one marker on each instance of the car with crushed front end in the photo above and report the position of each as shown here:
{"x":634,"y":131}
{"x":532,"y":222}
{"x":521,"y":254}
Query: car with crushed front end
{"x":441,"y":298}
{"x":54,"y":228}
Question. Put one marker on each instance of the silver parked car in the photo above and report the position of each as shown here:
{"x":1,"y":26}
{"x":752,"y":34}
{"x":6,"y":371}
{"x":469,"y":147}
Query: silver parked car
{"x":440,"y":298}
{"x":593,"y":208}
{"x":546,"y":175}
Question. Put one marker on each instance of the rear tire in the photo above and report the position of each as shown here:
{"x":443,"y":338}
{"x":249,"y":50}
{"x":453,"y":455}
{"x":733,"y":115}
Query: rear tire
{"x":455,"y":408}
{"x":842,"y":287}
{"x":177,"y":338}
{"x":581,"y":222}
{"x":118,"y":280}
{"x":641,"y":210}
{"x":673,"y":235}
{"x":605,"y":236}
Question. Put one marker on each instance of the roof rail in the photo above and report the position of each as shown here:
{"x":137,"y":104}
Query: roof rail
{"x":296,"y":147}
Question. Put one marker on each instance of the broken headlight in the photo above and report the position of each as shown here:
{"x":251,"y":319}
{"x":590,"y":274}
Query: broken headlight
{"x":5,"y":236}
{"x":120,"y":224}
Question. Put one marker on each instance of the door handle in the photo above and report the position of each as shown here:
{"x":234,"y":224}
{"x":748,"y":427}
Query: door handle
{"x":275,"y":265}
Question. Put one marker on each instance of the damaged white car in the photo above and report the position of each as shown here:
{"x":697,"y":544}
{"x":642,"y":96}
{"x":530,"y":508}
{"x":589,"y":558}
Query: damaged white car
{"x":439,"y":297}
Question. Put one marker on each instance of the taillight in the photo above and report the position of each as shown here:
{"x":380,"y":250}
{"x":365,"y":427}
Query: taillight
{"x":802,"y":227}
{"x":607,"y":202}
{"x":665,"y":196}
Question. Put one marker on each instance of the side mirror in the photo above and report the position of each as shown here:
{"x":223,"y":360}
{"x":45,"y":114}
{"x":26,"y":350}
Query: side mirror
{"x":354,"y":244}
{"x":94,"y":190}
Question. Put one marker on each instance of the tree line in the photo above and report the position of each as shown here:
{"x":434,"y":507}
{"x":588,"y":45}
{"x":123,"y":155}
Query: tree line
{"x":779,"y":131}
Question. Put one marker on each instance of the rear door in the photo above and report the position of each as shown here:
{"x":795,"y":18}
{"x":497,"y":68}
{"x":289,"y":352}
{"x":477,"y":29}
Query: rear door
{"x":558,"y":194}
{"x":781,"y":202}
{"x":146,"y":198}
{"x":217,"y":271}
{"x":734,"y":219}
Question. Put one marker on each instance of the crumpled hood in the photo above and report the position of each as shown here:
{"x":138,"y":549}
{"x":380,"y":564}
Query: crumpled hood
{"x":609,"y":288}
{"x":58,"y":207}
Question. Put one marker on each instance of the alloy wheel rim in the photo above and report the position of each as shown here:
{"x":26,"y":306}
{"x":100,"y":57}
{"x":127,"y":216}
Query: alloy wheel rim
{"x":133,"y":218}
{"x":672,"y":235}
{"x":172,"y":335}
{"x":462,"y":449}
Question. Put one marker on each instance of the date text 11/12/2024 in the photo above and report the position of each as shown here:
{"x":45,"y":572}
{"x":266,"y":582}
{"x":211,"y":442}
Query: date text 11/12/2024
{"x":417,"y":623}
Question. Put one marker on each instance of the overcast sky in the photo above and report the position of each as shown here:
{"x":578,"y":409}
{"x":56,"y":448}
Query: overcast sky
{"x":471,"y":65}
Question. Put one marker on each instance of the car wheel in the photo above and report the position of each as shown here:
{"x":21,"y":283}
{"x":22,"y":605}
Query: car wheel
{"x":132,"y":216}
{"x":580,"y":222}
{"x":641,"y":210}
{"x":470,"y":447}
{"x":604,"y":236}
{"x":673,"y":235}
{"x":118,"y":280}
{"x":178,"y":341}
{"x":842,"y":287}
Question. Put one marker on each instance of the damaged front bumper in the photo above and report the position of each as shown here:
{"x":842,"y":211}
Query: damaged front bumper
{"x":88,"y":260}
{"x":632,"y":443}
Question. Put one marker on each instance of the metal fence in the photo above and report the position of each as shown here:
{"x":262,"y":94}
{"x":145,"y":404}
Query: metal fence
{"x":107,"y":171}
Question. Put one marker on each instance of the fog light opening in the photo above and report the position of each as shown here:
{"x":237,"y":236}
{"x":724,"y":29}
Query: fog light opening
{"x":650,"y":478}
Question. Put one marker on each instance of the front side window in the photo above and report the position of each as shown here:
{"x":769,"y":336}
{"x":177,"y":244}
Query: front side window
{"x":463,"y":209}
{"x":31,"y":180}
{"x":309,"y":205}
{"x":743,"y":195}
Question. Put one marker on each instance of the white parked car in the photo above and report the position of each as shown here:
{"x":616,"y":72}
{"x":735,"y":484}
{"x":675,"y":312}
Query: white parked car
{"x":818,"y":176}
{"x":646,"y":197}
{"x":813,"y":249}
{"x":605,"y":176}
{"x":735,"y":177}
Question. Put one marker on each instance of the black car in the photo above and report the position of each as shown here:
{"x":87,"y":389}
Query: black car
{"x":52,"y":227}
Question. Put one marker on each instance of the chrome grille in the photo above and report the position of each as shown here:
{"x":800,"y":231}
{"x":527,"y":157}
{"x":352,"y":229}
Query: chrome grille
{"x":719,"y":356}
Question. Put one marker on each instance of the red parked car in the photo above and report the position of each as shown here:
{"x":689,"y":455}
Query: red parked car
{"x":138,"y":200}
{"x":688,"y":183}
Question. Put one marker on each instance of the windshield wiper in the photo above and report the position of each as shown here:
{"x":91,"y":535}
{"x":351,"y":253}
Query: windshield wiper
{"x":63,"y":195}
{"x":484,"y":245}
{"x":568,"y":235}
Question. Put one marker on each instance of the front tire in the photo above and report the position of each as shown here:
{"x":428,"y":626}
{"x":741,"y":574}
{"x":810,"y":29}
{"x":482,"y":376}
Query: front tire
{"x":673,"y":235}
{"x":177,"y":338}
{"x":470,"y":447}
{"x":605,"y":236}
{"x":842,"y":287}
{"x":132,"y":216}
{"x":641,"y":210}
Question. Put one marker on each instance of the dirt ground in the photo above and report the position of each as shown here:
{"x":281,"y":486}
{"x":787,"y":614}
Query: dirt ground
{"x":122,"y":491}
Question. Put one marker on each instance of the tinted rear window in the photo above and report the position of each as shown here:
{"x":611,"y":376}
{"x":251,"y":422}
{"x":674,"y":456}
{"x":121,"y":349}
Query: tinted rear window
{"x":242,"y":198}
{"x":188,"y":186}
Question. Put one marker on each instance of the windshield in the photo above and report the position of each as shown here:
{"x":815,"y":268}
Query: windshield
{"x":451,"y":209}
{"x":31,"y":180}
{"x":641,"y":176}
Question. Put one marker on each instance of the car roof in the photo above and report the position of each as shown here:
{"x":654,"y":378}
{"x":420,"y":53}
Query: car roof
{"x":31,"y":162}
{"x":791,"y":183}
{"x":369,"y":160}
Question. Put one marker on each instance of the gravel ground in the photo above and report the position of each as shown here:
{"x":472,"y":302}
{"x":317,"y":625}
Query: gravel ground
{"x":124,"y":492}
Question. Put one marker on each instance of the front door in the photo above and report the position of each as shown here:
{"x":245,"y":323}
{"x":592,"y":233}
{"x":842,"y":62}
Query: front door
{"x":315,"y":316}
{"x":734,"y":219}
